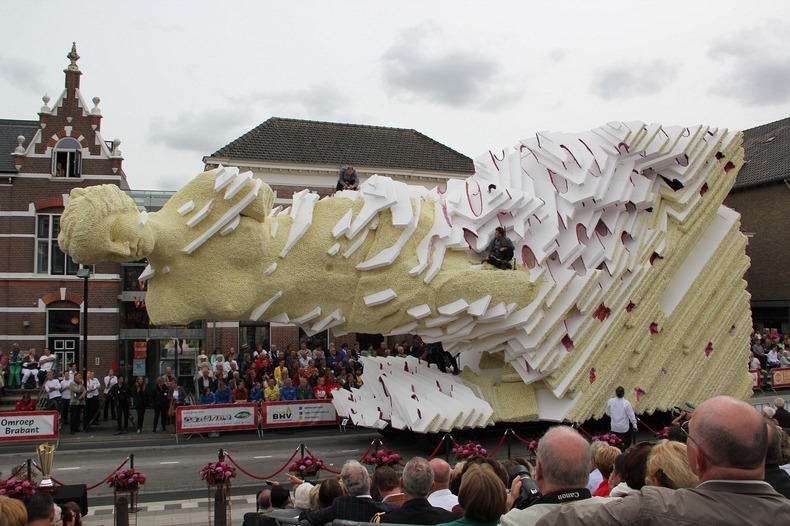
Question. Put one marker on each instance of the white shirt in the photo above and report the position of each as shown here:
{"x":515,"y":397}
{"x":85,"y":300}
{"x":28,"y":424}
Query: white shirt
{"x":45,"y":363}
{"x":48,"y":387}
{"x":443,"y":498}
{"x":109,"y":381}
{"x":93,"y":383}
{"x":621,"y":413}
{"x":65,"y":392}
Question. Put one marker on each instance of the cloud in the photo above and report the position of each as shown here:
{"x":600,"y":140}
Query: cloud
{"x":418,"y":67}
{"x":202,"y":132}
{"x":21,"y":74}
{"x":756,"y":66}
{"x":633,"y":80}
{"x":317,"y":102}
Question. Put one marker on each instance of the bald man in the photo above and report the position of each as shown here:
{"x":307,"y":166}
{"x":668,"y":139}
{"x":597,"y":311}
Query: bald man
{"x":727,"y":442}
{"x":440,"y":495}
{"x":561,"y":472}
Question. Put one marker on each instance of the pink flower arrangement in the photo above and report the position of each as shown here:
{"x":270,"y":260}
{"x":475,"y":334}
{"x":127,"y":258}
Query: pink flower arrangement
{"x":306,"y":466}
{"x":17,"y":489}
{"x":470,"y":451}
{"x":609,"y":438}
{"x":217,"y":472}
{"x":533,"y":447}
{"x":127,"y":479}
{"x":664,"y":433}
{"x":382,"y":457}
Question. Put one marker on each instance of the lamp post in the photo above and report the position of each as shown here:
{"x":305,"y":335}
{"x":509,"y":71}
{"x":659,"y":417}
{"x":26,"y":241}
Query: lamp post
{"x":85,"y":274}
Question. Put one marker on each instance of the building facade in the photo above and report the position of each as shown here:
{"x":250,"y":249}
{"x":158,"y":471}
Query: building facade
{"x":41,"y":296}
{"x":761,"y":195}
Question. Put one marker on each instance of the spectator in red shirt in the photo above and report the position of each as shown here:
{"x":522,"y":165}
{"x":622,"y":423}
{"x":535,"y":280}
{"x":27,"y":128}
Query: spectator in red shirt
{"x":604,"y":461}
{"x":320,"y":391}
{"x":331,"y":382}
{"x":26,"y":404}
{"x":240,"y":394}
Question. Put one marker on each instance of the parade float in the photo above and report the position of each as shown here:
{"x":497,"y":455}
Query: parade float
{"x":628,"y":271}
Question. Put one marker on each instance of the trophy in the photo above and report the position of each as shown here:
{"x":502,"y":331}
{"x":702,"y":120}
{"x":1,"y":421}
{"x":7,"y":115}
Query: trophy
{"x":46,"y":452}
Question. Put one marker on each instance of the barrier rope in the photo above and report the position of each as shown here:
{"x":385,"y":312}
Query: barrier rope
{"x":367,"y":451}
{"x":326,"y":468}
{"x":498,"y":446}
{"x":520,"y":439}
{"x":585,"y":432}
{"x":639,"y":420}
{"x":441,"y":442}
{"x":14,"y":473}
{"x":256,"y":477}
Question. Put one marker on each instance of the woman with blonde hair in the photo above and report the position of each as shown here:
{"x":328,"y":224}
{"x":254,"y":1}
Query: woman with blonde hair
{"x":482,"y":496}
{"x":12,"y":512}
{"x":668,"y":466}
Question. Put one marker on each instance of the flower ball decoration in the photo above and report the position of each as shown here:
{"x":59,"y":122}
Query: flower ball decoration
{"x":609,"y":438}
{"x":533,"y":447}
{"x":218,"y":472}
{"x":127,"y":479}
{"x":17,"y":489}
{"x":382,"y":457}
{"x":470,"y":451}
{"x":306,"y":466}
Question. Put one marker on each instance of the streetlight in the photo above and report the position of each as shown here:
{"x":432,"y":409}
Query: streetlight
{"x":85,"y":274}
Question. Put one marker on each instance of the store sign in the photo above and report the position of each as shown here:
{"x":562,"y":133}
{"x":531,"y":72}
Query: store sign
{"x":780,"y":377}
{"x":140,"y":350}
{"x":208,"y":418}
{"x":755,"y":378}
{"x":28,"y":425}
{"x":300,"y":413}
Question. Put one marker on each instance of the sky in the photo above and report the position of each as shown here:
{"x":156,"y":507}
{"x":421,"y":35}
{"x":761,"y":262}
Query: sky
{"x":180,"y":79}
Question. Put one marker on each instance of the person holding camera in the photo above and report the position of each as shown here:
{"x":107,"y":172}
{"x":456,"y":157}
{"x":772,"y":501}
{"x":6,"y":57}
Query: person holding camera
{"x":561,"y":472}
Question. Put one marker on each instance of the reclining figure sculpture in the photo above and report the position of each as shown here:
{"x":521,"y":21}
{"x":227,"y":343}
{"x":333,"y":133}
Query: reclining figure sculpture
{"x":629,"y":271}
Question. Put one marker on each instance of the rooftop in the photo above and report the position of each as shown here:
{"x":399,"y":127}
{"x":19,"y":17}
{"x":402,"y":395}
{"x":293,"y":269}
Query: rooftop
{"x":766,"y":153}
{"x":279,"y":140}
{"x":9,"y":130}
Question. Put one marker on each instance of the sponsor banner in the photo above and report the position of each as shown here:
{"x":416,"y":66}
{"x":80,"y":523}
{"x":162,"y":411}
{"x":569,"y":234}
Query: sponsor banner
{"x":140,"y":350}
{"x":755,"y":378}
{"x":28,"y":425}
{"x":298,"y":413}
{"x":780,"y":377}
{"x":208,"y":418}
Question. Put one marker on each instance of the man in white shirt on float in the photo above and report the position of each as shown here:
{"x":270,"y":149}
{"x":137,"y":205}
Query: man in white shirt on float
{"x":622,"y":415}
{"x":440,"y":495}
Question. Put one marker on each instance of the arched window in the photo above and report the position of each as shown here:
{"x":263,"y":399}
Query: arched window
{"x":67,"y":158}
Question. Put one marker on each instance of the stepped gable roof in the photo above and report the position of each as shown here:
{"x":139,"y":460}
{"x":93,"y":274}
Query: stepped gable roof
{"x":9,"y":130}
{"x":767,"y":152}
{"x":279,"y":140}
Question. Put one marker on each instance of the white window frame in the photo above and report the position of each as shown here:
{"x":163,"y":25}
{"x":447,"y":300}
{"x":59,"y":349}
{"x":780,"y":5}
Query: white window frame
{"x":49,"y":241}
{"x":69,"y":152}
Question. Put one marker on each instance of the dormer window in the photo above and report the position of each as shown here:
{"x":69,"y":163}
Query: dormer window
{"x":67,"y":158}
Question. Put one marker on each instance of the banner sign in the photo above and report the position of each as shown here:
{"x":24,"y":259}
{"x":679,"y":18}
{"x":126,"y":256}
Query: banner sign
{"x":208,"y":418}
{"x":298,"y":413}
{"x":140,"y":350}
{"x":755,"y":378}
{"x":780,"y":377}
{"x":28,"y":425}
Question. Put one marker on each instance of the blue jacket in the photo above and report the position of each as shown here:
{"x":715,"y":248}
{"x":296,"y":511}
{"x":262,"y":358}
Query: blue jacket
{"x":207,"y":399}
{"x":256,"y":395}
{"x":287,"y":394}
{"x":221,"y":397}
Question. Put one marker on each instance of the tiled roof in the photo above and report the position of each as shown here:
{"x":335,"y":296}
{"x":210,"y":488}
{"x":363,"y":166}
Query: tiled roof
{"x":767,"y":152}
{"x":310,"y":142}
{"x":9,"y":131}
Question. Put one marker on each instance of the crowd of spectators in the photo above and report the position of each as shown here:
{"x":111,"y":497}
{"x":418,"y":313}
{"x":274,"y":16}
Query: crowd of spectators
{"x":769,"y":350}
{"x":38,"y":509}
{"x":729,"y":466}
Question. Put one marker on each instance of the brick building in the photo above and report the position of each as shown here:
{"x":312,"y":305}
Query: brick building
{"x":761,"y":195}
{"x":41,"y":161}
{"x":291,"y":155}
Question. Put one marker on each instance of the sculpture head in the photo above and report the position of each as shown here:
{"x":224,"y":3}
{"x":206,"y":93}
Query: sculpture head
{"x":101,"y":223}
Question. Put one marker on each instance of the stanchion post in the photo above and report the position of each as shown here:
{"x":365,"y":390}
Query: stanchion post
{"x":301,"y":450}
{"x":29,"y":470}
{"x":131,"y":460}
{"x":508,"y":435}
{"x":221,"y":455}
{"x":447,"y":439}
{"x":377,"y":443}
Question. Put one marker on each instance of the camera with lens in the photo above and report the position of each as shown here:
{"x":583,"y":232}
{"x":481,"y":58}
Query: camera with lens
{"x":530,"y":493}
